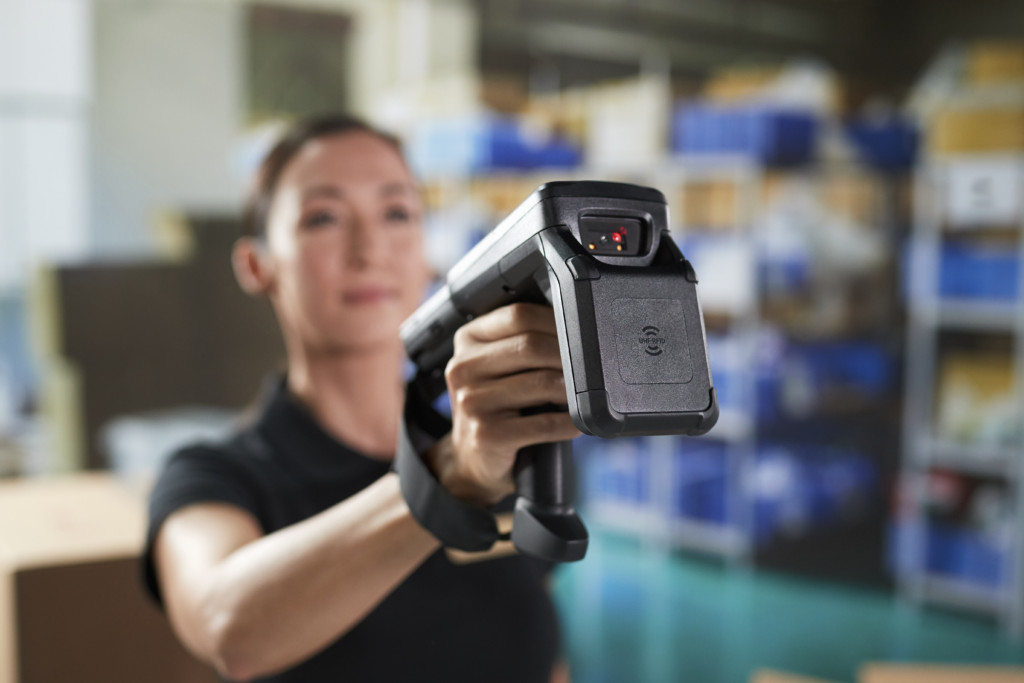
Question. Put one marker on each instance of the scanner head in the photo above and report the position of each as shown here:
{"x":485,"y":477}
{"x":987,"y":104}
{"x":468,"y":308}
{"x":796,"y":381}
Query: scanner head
{"x":629,"y":322}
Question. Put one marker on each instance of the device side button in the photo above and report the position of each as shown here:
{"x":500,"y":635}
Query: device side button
{"x":690,"y":273}
{"x":582,"y":268}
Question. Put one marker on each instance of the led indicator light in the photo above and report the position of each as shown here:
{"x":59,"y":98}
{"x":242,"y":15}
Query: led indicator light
{"x":591,"y":245}
{"x":616,"y":237}
{"x":618,"y":247}
{"x":622,"y":230}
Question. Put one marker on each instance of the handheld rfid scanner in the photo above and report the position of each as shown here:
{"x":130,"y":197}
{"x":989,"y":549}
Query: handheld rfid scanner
{"x":632,"y":342}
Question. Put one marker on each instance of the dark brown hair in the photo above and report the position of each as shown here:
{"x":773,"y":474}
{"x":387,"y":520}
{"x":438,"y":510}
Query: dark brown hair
{"x":254,"y":219}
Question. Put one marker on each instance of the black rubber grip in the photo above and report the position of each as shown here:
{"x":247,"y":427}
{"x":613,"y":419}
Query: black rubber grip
{"x":453,"y":522}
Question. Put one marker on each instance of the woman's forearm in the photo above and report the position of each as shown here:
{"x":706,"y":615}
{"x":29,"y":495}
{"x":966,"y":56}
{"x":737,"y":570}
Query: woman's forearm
{"x":276,"y":601}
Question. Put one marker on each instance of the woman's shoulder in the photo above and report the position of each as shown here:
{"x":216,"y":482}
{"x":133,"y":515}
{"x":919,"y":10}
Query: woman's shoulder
{"x":242,"y":462}
{"x":244,"y":449}
{"x":235,"y":470}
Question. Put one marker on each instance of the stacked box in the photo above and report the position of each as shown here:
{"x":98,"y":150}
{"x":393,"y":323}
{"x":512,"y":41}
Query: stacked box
{"x":981,"y":114}
{"x":709,"y":205}
{"x":72,"y":607}
{"x":902,"y":672}
{"x":740,"y":83}
{"x":991,"y":63}
{"x":978,"y":130}
{"x":977,"y":398}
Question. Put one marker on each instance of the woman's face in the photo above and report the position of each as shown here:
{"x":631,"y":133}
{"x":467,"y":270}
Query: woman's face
{"x":345,"y":244}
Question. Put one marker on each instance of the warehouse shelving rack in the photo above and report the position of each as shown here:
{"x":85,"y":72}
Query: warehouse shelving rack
{"x":658,"y":521}
{"x":929,"y":314}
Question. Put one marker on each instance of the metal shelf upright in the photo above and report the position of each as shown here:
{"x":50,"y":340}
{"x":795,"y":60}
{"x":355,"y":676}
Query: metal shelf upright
{"x":929,"y":314}
{"x":737,"y":425}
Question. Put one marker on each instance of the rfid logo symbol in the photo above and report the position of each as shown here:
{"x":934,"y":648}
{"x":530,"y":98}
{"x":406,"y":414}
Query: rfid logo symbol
{"x":652,"y":341}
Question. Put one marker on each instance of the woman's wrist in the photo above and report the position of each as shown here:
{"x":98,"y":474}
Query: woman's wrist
{"x":457,"y":480}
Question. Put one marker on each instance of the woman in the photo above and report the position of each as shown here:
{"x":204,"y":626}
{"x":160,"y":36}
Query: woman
{"x":288,"y":553}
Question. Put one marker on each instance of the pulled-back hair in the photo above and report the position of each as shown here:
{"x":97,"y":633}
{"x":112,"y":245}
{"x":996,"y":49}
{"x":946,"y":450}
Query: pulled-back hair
{"x":254,"y":219}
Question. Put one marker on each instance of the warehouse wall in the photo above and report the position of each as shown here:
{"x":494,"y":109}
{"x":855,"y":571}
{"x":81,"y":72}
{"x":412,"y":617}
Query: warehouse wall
{"x":169,"y":118}
{"x":167,"y":112}
{"x":45,"y":87}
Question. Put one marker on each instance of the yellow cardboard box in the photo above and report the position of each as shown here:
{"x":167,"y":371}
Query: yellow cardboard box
{"x":739,"y":83}
{"x":772,"y":676}
{"x":936,"y":673}
{"x":978,"y":130}
{"x":977,"y":398}
{"x":995,"y":62}
{"x":710,"y":205}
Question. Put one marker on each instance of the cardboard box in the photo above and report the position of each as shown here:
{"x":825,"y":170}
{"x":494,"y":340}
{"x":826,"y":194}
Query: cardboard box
{"x":858,"y":197}
{"x":710,"y":205}
{"x":72,"y":606}
{"x":989,"y":63}
{"x":770,"y":676}
{"x":978,"y":130}
{"x":977,"y":398}
{"x":933,"y":673}
{"x":740,"y":83}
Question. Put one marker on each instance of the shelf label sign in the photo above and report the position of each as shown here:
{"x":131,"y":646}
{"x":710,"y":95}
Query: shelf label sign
{"x":984,"y":193}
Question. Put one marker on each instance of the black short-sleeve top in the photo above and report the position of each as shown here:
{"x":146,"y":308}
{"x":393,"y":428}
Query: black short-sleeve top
{"x":490,"y":620}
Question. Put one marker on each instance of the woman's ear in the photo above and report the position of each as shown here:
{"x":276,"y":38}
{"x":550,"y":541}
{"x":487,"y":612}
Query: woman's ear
{"x":252,"y":270}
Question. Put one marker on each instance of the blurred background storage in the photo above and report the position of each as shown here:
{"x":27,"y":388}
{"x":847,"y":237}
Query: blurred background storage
{"x":847,"y":178}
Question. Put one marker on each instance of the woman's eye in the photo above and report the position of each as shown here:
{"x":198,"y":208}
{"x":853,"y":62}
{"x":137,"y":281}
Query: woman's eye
{"x":319,"y":219}
{"x":397,"y":214}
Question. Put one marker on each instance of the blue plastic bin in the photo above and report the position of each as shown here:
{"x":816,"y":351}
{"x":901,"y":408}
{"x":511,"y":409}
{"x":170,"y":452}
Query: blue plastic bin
{"x":510,"y":149}
{"x":957,"y":553}
{"x":888,"y":145}
{"x":978,"y":272}
{"x":863,"y":367}
{"x":767,"y":135}
{"x":815,"y":488}
{"x":620,"y":476}
{"x":965,"y":554}
{"x":701,"y":482}
{"x":478,"y":144}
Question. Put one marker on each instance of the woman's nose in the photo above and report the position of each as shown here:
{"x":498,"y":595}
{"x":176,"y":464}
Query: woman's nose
{"x":366,"y":245}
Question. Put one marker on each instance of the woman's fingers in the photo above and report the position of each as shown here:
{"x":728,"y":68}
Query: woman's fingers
{"x":509,"y":321}
{"x":504,"y":361}
{"x":540,"y":428}
{"x":507,"y":356}
{"x":524,"y":390}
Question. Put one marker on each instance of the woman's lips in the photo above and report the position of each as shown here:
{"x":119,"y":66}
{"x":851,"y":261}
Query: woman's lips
{"x":369,"y":295}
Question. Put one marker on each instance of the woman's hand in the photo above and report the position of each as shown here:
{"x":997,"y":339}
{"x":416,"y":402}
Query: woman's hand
{"x":504,"y":361}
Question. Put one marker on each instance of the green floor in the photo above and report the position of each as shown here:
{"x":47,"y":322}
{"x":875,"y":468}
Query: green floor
{"x":636,"y":615}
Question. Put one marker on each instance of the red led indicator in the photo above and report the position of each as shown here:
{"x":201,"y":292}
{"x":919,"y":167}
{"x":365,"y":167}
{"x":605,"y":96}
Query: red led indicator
{"x":622,"y":230}
{"x":616,"y":237}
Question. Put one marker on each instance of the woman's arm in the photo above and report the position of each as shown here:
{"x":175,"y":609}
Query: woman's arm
{"x":251,"y":604}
